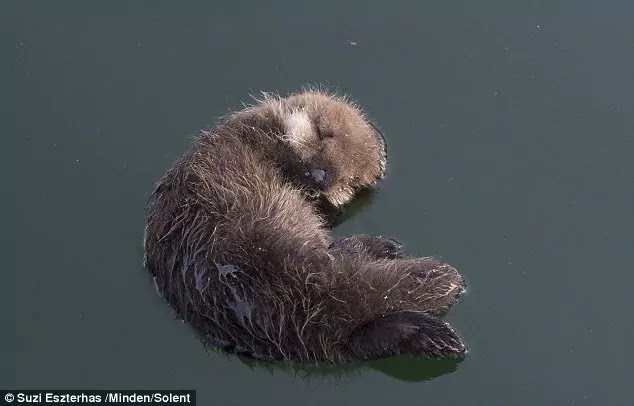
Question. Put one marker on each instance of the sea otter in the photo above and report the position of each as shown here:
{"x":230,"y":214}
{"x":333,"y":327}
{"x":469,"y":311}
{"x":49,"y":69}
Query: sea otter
{"x":238,"y":243}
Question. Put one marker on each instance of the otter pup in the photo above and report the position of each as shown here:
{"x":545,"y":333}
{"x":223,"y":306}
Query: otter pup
{"x":237,"y":242}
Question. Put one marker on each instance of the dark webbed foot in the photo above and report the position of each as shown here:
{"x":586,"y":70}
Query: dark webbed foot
{"x":376,"y":247}
{"x":406,"y":332}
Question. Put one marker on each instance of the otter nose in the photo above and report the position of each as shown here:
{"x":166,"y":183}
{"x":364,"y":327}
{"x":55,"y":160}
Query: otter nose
{"x":318,"y":175}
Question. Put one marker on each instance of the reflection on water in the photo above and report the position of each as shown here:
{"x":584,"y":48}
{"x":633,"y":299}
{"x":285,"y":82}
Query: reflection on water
{"x":407,"y":368}
{"x":402,"y":367}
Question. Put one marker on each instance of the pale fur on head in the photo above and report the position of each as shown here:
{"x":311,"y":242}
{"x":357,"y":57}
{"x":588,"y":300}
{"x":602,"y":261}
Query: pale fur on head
{"x":331,"y":135}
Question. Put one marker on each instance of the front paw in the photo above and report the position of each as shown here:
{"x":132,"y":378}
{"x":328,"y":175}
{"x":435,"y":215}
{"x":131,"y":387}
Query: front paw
{"x":384,"y":248}
{"x":330,"y":214}
{"x":376,"y":247}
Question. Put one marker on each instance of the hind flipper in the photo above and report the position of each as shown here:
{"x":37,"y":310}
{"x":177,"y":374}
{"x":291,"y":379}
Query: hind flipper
{"x":406,"y":332}
{"x":374,"y":246}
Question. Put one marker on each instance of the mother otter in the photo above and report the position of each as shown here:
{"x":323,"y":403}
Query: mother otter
{"x":238,"y":244}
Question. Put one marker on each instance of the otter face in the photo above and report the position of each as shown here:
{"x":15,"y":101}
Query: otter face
{"x":340,"y":151}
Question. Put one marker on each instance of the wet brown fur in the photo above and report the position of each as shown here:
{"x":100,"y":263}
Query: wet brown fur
{"x":238,"y":243}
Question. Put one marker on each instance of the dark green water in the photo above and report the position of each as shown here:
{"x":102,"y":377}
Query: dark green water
{"x":511,"y":136}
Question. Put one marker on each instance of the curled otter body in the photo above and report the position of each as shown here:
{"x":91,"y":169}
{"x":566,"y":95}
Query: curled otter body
{"x":238,"y":243}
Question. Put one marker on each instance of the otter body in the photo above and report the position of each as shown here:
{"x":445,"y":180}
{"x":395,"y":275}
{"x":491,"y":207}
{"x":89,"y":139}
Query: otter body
{"x":238,"y":243}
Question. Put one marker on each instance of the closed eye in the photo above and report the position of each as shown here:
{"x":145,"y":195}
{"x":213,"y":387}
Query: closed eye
{"x":323,"y":133}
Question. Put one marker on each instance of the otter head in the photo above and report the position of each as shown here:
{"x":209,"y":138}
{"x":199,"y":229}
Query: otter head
{"x":339,"y":151}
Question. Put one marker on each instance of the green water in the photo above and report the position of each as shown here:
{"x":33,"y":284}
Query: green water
{"x":510,"y":128}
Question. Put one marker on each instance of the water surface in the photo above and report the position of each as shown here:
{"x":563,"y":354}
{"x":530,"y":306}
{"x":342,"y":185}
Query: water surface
{"x":510,"y":128}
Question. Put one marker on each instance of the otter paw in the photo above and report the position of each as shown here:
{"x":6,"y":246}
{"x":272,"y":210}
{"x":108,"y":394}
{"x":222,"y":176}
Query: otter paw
{"x":439,"y":284}
{"x":376,"y":247}
{"x":406,"y":332}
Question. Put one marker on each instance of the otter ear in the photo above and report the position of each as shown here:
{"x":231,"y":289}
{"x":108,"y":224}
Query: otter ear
{"x":322,"y":130}
{"x":406,"y":332}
